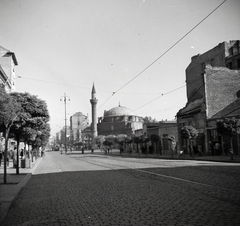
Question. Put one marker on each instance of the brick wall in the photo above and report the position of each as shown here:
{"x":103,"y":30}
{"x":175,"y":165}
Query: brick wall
{"x":222,"y":85}
{"x":196,"y":69}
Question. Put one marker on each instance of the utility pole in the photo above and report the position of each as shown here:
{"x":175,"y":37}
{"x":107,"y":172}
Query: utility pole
{"x":65,"y":110}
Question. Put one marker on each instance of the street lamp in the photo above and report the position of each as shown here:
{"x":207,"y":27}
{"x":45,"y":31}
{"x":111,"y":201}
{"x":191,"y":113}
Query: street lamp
{"x":64,"y":98}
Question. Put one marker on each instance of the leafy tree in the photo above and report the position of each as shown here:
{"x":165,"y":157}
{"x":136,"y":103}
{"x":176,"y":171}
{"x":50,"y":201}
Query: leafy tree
{"x":9,"y":114}
{"x":128,"y":140}
{"x":229,"y":127}
{"x":42,"y":137}
{"x":144,"y":139}
{"x":189,"y":133}
{"x":33,"y":119}
{"x":99,"y":140}
{"x":117,"y":141}
{"x":35,"y":138}
{"x":149,"y":119}
{"x":137,"y":140}
{"x":107,"y":143}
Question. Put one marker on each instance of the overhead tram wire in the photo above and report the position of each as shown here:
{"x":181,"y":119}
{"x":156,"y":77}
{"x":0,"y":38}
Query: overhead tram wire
{"x":171,"y":107}
{"x":58,"y":83}
{"x":105,"y":101}
{"x":165,"y":51}
{"x":159,"y":97}
{"x":164,"y":94}
{"x":64,"y":84}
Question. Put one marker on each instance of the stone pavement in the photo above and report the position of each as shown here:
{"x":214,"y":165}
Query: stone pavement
{"x":215,"y":158}
{"x":10,"y":191}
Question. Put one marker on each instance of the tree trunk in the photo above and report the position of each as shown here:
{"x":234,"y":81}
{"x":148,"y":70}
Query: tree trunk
{"x":188,"y":147}
{"x":222,"y":147}
{"x":231,"y":148}
{"x":192,"y":150}
{"x":32,"y":153}
{"x":170,"y":147}
{"x":24,"y":151}
{"x":5,"y":156}
{"x":146,"y":149}
{"x":17,"y":169}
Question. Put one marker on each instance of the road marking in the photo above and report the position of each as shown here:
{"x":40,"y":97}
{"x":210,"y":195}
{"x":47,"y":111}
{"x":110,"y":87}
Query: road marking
{"x":184,"y":180}
{"x":160,"y":175}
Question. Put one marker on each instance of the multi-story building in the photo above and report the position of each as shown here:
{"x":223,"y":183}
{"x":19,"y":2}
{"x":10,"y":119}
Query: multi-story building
{"x":61,"y":139}
{"x":78,"y":122}
{"x":8,"y":61}
{"x":226,"y":54}
{"x":213,"y":81}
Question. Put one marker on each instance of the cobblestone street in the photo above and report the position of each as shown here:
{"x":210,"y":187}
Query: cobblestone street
{"x":120,"y":113}
{"x":111,"y":190}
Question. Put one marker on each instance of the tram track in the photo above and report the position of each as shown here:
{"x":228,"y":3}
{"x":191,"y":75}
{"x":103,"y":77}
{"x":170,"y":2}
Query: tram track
{"x":112,"y":166}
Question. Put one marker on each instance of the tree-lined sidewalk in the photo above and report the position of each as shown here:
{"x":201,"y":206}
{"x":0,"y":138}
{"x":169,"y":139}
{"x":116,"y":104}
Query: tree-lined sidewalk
{"x":24,"y":118}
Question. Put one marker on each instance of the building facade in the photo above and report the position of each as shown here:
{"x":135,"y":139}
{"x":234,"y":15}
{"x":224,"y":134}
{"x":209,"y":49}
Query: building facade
{"x":225,"y":55}
{"x":8,"y":61}
{"x":119,"y":120}
{"x":61,"y":139}
{"x":163,"y":129}
{"x":78,"y":122}
{"x":213,"y":80}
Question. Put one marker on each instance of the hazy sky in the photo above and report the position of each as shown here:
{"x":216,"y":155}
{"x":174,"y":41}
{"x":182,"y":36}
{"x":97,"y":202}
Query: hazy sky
{"x":63,"y":46}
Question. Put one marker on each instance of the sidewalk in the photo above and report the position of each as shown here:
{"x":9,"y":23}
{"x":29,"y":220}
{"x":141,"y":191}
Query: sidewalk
{"x":10,"y":191}
{"x":215,"y":158}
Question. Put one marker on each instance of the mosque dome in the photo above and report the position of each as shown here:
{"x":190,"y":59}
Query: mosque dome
{"x":118,"y":111}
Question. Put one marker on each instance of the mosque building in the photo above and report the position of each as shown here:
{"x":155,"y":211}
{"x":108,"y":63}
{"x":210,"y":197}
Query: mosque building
{"x":117,"y":120}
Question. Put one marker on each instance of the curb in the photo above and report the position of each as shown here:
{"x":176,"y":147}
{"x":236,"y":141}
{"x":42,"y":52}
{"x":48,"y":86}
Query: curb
{"x":19,"y":188}
{"x":36,"y":165}
{"x":176,"y":158}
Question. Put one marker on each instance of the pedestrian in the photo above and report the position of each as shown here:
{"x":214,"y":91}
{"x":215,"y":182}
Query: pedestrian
{"x":212,"y":148}
{"x":1,"y":151}
{"x":121,"y":150}
{"x":9,"y":156}
{"x":217,"y":148}
{"x":160,"y":149}
{"x":42,"y":152}
{"x":130,"y":151}
{"x":14,"y":157}
{"x":1,"y":156}
{"x":21,"y":153}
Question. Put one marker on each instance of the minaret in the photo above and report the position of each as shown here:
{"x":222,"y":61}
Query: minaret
{"x":94,"y":101}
